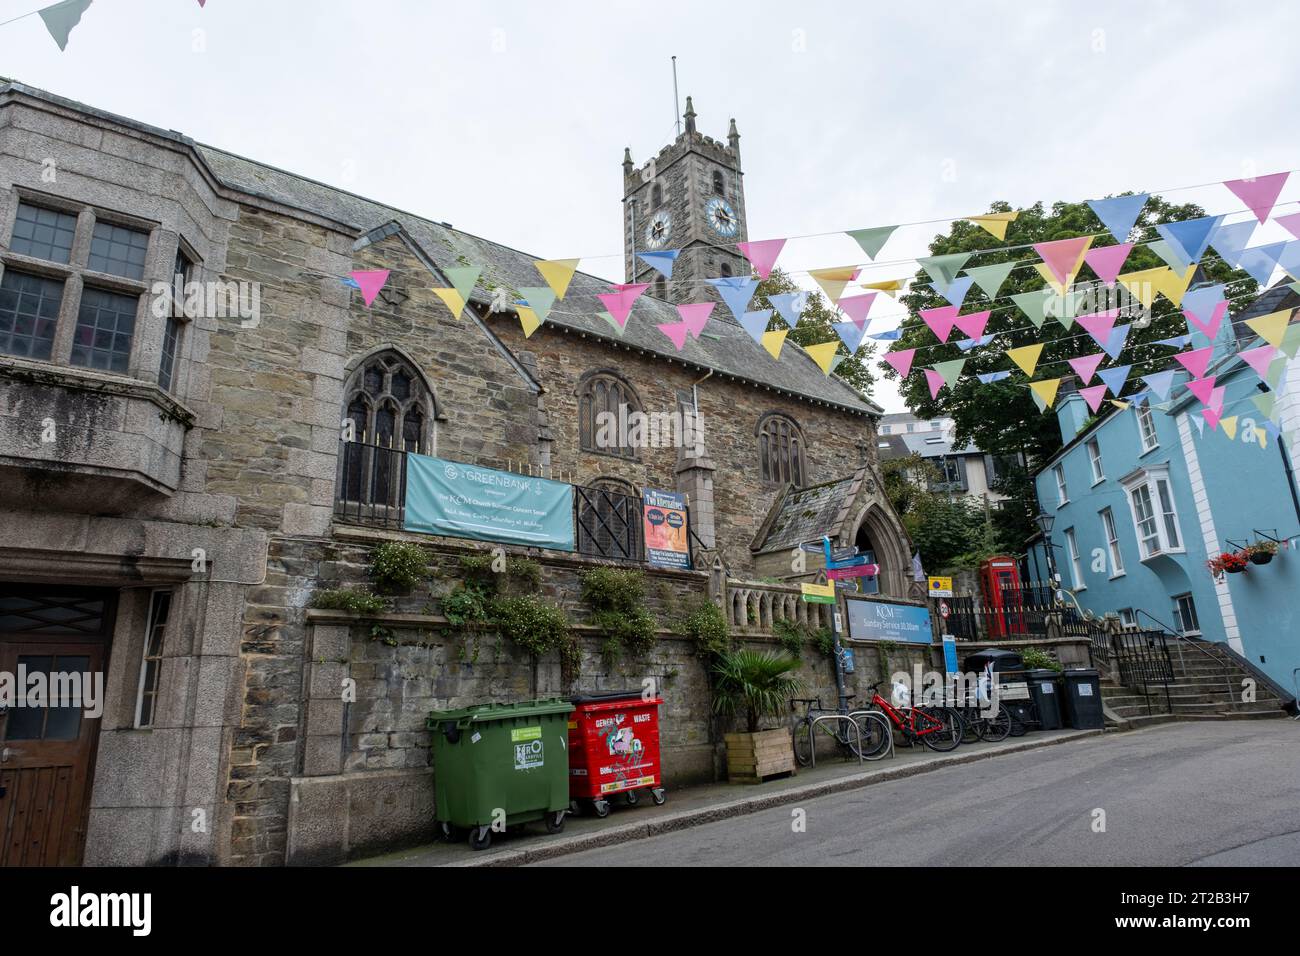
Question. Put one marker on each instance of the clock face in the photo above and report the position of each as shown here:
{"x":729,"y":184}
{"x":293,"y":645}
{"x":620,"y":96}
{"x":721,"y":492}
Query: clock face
{"x":721,"y":217}
{"x":660,"y":228}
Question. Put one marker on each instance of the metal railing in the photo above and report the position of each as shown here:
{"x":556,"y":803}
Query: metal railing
{"x":1023,"y":612}
{"x":1140,"y":659}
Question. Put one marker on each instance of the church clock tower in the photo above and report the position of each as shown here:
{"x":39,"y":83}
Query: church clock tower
{"x":691,"y":197}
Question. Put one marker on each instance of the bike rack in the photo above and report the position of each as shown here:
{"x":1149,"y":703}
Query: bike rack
{"x":876,"y":715}
{"x":812,"y":741}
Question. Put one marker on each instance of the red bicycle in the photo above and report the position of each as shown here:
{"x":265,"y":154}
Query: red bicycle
{"x":939,"y":728}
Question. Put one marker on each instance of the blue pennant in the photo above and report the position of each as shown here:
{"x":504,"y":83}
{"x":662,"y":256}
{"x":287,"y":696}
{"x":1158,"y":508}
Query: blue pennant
{"x":1114,"y":378}
{"x":1177,"y":342}
{"x":893,"y":335}
{"x":736,"y":291}
{"x":1289,"y":260}
{"x":1120,"y":213}
{"x":755,"y":323}
{"x":1190,"y":237}
{"x":661,"y":262}
{"x":1161,"y":382}
{"x":1140,"y":398}
{"x":1201,"y":302}
{"x":1260,"y":261}
{"x":849,"y":334}
{"x":955,"y":291}
{"x":967,"y":344}
{"x":789,"y":305}
{"x":1115,"y":344}
{"x":992,"y":377}
{"x":1229,"y":241}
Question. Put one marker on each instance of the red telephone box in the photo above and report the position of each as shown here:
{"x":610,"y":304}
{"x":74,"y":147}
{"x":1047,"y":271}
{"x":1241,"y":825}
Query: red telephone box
{"x":1000,"y":585}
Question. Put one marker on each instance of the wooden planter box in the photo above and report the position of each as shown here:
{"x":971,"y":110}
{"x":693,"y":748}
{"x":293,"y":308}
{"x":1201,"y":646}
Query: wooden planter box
{"x":753,"y":757}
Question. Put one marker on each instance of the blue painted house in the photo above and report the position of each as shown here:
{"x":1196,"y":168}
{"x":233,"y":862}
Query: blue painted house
{"x":1144,"y":497}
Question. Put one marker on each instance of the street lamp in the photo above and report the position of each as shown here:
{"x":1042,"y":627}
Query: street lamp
{"x":1045,"y":522}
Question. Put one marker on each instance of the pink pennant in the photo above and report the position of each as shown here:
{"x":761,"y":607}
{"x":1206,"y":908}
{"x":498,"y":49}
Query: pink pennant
{"x":762,"y":255}
{"x":1202,"y":388}
{"x":941,"y":320}
{"x":695,"y":315}
{"x":1196,"y":361}
{"x":676,"y":332}
{"x":1062,"y":255}
{"x":1094,"y":396}
{"x":1259,"y":359}
{"x":619,"y":303}
{"x":1108,"y":260}
{"x":1210,"y":328}
{"x":1259,"y":194}
{"x":1211,"y":416}
{"x":370,"y":283}
{"x":1086,"y":366}
{"x":1099,"y":325}
{"x":902,"y":361}
{"x":1216,"y":398}
{"x":1290,"y":223}
{"x":935,"y":381}
{"x":973,"y":324}
{"x":856,"y":308}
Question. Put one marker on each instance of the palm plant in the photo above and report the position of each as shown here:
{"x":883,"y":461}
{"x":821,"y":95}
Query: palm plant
{"x":756,"y":683}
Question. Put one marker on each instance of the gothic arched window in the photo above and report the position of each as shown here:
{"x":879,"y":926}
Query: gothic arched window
{"x":719,"y":183}
{"x":726,"y":269}
{"x":605,"y":423}
{"x":780,"y":450}
{"x":609,"y":519}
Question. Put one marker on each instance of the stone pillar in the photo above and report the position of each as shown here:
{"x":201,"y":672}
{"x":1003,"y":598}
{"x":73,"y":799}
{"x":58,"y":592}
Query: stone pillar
{"x":695,"y":480}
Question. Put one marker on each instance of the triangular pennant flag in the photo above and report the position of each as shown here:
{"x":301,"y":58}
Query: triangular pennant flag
{"x":1141,"y":397}
{"x":1173,"y":285}
{"x":822,"y":353}
{"x":370,"y":282}
{"x":755,"y":323}
{"x":1119,"y":214}
{"x":974,"y":323}
{"x":836,"y":360}
{"x":1189,"y":237}
{"x":849,"y":334}
{"x":1289,"y":259}
{"x":1229,"y":240}
{"x":695,"y":315}
{"x":676,"y":332}
{"x":613,"y":322}
{"x":1275,"y":372}
{"x":1201,"y":304}
{"x":1265,"y":402}
{"x":736,"y":291}
{"x":661,"y":262}
{"x":1046,"y":390}
{"x":1099,"y":325}
{"x":1171,"y":256}
{"x":856,"y":307}
{"x":1063,"y":256}
{"x":762,"y":255}
{"x":1107,"y":261}
{"x":967,"y":344}
{"x":772,"y":341}
{"x":1093,"y":396}
{"x":453,"y":300}
{"x":1177,"y":342}
{"x":557,"y":273}
{"x":1259,"y":193}
{"x":1115,"y":378}
{"x":995,"y":223}
{"x":1202,"y":388}
{"x":1291,"y":223}
{"x":943,"y":269}
{"x":1216,"y":398}
{"x":463,"y":279}
{"x":619,"y":302}
{"x":1195,"y":361}
{"x":789,"y":305}
{"x":1161,"y":382}
{"x":891,"y":287}
{"x":1143,"y":285}
{"x":1034,"y":305}
{"x":1270,"y":327}
{"x":1057,"y":286}
{"x":1260,"y":359}
{"x":935,"y":381}
{"x":990,"y":279}
{"x":1229,"y":426}
{"x":1290,"y":341}
{"x":940,"y":320}
{"x":1211,"y":416}
{"x":1085,"y":366}
{"x":1200,"y":426}
{"x":872,"y":240}
{"x":955,"y":291}
{"x":950,"y":371}
{"x":528,"y":319}
{"x":1026,"y":357}
{"x":349,"y":281}
{"x":60,"y":18}
{"x":893,"y":335}
{"x":989,"y":377}
{"x":901,"y":361}
{"x":834,"y":280}
{"x":1260,"y":261}
{"x":540,"y":299}
{"x":1120,"y":405}
{"x":1115,"y":344}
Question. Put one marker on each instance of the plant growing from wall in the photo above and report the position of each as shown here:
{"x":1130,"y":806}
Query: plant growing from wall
{"x":616,"y":597}
{"x":883,"y":649}
{"x":789,"y":635}
{"x":349,"y":599}
{"x":703,"y":621}
{"x":537,"y":626}
{"x":755,"y":684}
{"x":396,"y":567}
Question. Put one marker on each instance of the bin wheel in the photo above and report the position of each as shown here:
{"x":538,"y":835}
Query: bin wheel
{"x":632,"y":797}
{"x":555,"y":821}
{"x":659,"y":797}
{"x":450,"y":833}
{"x":600,"y":808}
{"x":480,"y":838}
{"x":575,"y":807}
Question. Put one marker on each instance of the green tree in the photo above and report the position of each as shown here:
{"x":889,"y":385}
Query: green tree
{"x":815,"y":327}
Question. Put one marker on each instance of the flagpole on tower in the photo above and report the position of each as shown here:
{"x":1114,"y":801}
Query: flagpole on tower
{"x":677,"y":103}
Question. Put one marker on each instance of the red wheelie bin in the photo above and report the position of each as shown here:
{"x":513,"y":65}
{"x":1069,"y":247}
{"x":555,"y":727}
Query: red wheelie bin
{"x":614,"y":750}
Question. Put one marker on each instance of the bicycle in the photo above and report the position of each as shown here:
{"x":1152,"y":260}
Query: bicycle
{"x":871,"y":741}
{"x":939,"y":728}
{"x":990,"y":728}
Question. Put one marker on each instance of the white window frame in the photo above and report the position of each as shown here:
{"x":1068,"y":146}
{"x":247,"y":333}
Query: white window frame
{"x":1146,"y":486}
{"x":1094,"y":459}
{"x":1178,"y":614}
{"x":145,"y":657}
{"x":1076,"y":564}
{"x":1111,"y":533}
{"x":1062,"y":490}
{"x":1147,"y":428}
{"x":1127,"y":619}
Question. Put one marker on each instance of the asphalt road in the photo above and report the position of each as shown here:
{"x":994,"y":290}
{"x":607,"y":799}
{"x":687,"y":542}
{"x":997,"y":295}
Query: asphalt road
{"x":1211,"y":793}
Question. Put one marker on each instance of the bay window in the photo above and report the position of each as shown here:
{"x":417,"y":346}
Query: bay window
{"x":1151,"y":498}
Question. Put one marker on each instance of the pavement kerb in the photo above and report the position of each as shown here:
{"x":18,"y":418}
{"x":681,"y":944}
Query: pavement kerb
{"x":685,"y":819}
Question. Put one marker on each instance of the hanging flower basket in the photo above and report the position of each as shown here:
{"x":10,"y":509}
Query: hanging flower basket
{"x":1262,"y":552}
{"x":1230,"y":562}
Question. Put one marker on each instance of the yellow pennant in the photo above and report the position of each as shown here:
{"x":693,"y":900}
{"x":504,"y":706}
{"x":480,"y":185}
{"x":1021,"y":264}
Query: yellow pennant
{"x":558,"y":273}
{"x":1026,"y":357}
{"x":1229,"y":426}
{"x":823,"y":353}
{"x":772,"y":341}
{"x":891,"y":287}
{"x":995,"y":223}
{"x":453,"y":300}
{"x":1046,"y":390}
{"x":1120,"y":404}
{"x":1271,"y":328}
{"x":1173,"y":286}
{"x":1060,"y":288}
{"x":833,"y":281}
{"x":1144,"y":285}
{"x":528,"y":319}
{"x":1262,"y":436}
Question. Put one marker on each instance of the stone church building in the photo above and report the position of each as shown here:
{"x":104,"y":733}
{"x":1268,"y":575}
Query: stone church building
{"x":174,"y":486}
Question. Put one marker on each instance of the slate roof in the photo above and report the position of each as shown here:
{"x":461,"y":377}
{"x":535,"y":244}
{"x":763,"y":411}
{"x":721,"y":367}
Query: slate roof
{"x":901,"y":446}
{"x":805,"y":514}
{"x":1275,"y":299}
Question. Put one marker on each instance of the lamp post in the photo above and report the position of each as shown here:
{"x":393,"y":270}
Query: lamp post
{"x":1045,"y":522}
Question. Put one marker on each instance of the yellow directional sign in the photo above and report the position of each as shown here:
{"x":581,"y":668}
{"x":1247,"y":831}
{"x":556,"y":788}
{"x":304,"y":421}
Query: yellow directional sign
{"x":940,"y":587}
{"x":818,"y":593}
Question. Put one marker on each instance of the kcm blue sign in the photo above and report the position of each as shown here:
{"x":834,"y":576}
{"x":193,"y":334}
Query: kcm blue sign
{"x":463,"y":501}
{"x":883,"y":621}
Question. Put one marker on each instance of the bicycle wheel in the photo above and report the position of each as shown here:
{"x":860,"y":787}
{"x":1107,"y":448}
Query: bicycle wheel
{"x":970,"y":720}
{"x":802,"y":745}
{"x":994,"y":728}
{"x":873,"y":734}
{"x":944,"y":737}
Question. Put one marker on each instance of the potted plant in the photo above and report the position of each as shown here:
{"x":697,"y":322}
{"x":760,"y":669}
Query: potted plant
{"x":1261,"y":552}
{"x":1231,"y":562}
{"x":755,"y":684}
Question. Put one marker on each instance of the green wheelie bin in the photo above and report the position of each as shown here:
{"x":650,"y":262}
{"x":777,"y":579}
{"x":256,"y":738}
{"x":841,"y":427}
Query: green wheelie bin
{"x":501,"y":764}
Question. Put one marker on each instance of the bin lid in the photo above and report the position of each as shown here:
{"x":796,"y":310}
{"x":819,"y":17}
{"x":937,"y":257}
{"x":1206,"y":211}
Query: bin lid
{"x":1002,"y":660}
{"x":599,"y":696}
{"x":1082,"y":672}
{"x":485,"y":713}
{"x":1042,"y":673}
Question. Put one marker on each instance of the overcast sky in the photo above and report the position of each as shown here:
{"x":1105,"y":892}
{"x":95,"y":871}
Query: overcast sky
{"x":508,"y":118}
